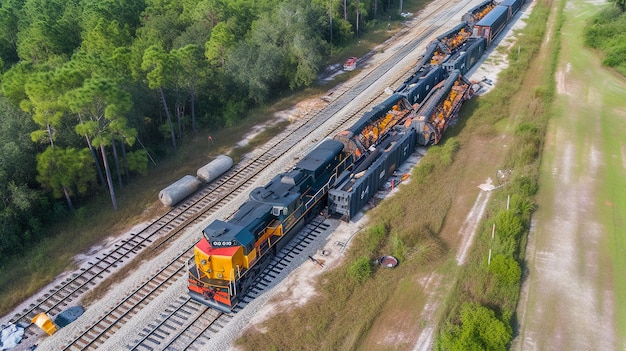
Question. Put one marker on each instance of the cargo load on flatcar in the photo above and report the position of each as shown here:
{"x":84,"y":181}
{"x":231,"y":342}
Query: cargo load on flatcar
{"x":478,"y":12}
{"x":374,"y":124}
{"x":440,"y":108}
{"x":456,"y":37}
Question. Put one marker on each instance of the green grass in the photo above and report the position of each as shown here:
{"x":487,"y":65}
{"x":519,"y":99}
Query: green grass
{"x":609,"y":120}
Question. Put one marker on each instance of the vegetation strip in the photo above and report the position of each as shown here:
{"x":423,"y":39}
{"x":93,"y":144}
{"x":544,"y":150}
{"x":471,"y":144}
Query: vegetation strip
{"x":481,"y":308}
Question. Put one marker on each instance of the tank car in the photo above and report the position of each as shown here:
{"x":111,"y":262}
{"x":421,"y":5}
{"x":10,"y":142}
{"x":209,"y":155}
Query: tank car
{"x":232,"y":253}
{"x":180,"y":189}
{"x":214,"y":169}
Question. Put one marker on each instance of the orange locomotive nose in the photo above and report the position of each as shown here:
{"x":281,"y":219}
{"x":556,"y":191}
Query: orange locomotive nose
{"x":219,"y":300}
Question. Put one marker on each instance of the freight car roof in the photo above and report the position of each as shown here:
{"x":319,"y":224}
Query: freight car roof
{"x":493,"y":16}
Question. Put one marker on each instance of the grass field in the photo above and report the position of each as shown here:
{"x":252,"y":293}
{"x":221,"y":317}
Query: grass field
{"x":576,"y":285}
{"x":600,"y":124}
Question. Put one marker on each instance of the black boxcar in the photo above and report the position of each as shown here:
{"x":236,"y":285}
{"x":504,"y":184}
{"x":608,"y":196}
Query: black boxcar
{"x":354,"y":190}
{"x":478,"y":12}
{"x":467,"y":57}
{"x":514,"y":6}
{"x":416,"y":88}
{"x":492,"y":24}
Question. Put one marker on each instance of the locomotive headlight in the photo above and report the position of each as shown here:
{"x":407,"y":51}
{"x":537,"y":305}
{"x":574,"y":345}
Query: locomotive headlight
{"x":203,"y":262}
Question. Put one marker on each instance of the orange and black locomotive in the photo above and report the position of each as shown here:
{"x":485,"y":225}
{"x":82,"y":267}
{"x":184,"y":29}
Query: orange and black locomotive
{"x":232,"y":253}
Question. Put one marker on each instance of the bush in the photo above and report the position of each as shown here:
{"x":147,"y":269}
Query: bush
{"x":506,"y":269}
{"x":606,"y":33}
{"x":480,"y":329}
{"x":508,"y":225}
{"x":399,"y":247}
{"x":443,"y":154}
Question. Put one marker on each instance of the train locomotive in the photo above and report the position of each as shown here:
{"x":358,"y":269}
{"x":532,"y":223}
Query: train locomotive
{"x":232,"y":253}
{"x":343,"y":173}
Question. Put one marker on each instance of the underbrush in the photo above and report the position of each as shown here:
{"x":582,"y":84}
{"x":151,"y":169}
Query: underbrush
{"x":607,"y":33}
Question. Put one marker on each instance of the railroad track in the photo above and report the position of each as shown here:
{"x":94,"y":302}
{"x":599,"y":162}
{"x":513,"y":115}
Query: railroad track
{"x":187,"y":322}
{"x":222,"y":190}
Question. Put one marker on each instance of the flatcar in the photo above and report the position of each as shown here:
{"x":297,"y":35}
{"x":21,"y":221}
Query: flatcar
{"x":232,"y":253}
{"x":456,"y":37}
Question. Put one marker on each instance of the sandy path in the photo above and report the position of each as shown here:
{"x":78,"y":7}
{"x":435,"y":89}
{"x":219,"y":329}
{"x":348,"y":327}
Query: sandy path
{"x":568,"y":300}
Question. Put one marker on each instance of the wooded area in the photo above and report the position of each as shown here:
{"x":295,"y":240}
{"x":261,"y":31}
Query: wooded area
{"x":93,"y":92}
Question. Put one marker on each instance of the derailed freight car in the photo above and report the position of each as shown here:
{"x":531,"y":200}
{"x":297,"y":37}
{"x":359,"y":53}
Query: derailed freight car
{"x":467,"y":56}
{"x":478,"y":12}
{"x":441,"y":107}
{"x":416,"y":87}
{"x":373,"y":125}
{"x":355,"y":189}
{"x":514,"y":6}
{"x":492,"y":24}
{"x":455,"y":37}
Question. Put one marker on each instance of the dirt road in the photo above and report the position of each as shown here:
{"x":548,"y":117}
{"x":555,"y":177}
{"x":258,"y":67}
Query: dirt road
{"x":574,"y":295}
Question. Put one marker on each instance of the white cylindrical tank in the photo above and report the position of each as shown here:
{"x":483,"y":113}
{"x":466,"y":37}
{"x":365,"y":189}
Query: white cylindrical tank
{"x":215,"y":168}
{"x":179,"y":190}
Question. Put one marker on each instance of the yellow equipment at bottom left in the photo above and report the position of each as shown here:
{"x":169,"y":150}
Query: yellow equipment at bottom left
{"x":44,"y":322}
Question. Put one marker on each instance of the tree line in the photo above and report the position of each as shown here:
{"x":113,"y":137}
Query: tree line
{"x":94,"y":91}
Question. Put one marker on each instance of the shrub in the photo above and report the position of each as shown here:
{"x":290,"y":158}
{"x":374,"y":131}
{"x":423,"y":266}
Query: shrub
{"x":422,"y":171}
{"x":606,"y":33}
{"x":508,"y":225}
{"x":480,"y":329}
{"x":506,"y":269}
{"x":399,"y":247}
